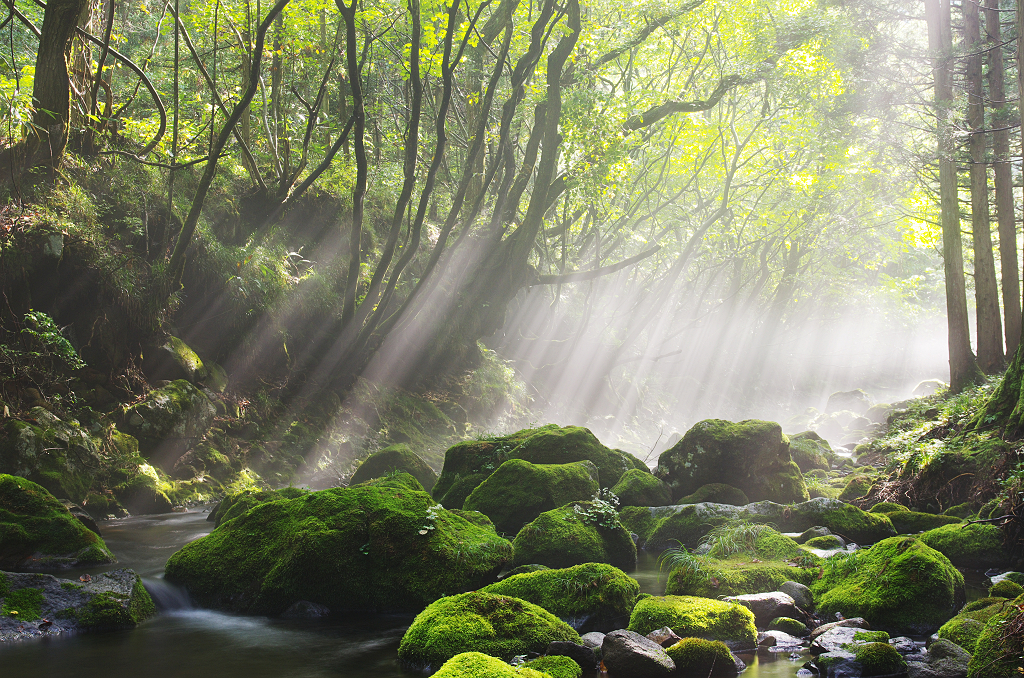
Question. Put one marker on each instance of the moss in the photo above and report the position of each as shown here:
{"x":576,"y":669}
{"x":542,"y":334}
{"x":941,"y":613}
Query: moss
{"x":638,"y":520}
{"x":829,"y":541}
{"x":591,"y":588}
{"x":810,"y":451}
{"x":700,"y":657}
{"x":734,"y":577}
{"x":479,"y":665}
{"x":978,"y":546}
{"x":871,"y":636}
{"x":33,"y":522}
{"x":751,"y":455}
{"x":109,"y":610}
{"x":522,"y":569}
{"x":575,"y":443}
{"x":887,"y":507}
{"x":24,"y":604}
{"x":640,"y":488}
{"x":879,"y":659}
{"x":1005,"y":589}
{"x":965,"y":628}
{"x":1016,"y":577}
{"x":519,"y":491}
{"x":395,"y":458}
{"x":857,"y":486}
{"x":475,"y":517}
{"x":686,"y":526}
{"x":900,"y":584}
{"x":692,"y":616}
{"x":962,"y":511}
{"x":998,"y":653}
{"x":556,"y":667}
{"x":911,"y":522}
{"x":845,"y":520}
{"x":573,"y":534}
{"x":788,"y":625}
{"x":373,"y":547}
{"x":237,"y":503}
{"x":4,"y":587}
{"x":461,"y":487}
{"x":718,"y":493}
{"x":499,"y":626}
{"x":759,"y":541}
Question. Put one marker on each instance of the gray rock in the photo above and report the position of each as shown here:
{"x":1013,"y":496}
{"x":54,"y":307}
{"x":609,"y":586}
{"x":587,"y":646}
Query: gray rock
{"x":855,"y":401}
{"x":627,"y":654}
{"x":303,"y":609}
{"x":856,"y":622}
{"x":593,"y":640}
{"x":584,"y":656}
{"x":944,"y":659}
{"x":169,"y":421}
{"x":833,"y":640}
{"x":811,"y":533}
{"x":801,"y":595}
{"x":904,"y":645}
{"x":767,"y":606}
{"x":783,"y":640}
{"x":48,"y":606}
{"x":664,"y":636}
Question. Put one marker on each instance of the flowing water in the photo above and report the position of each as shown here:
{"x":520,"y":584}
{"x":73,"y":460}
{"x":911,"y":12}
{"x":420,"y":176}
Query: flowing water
{"x":183,"y":641}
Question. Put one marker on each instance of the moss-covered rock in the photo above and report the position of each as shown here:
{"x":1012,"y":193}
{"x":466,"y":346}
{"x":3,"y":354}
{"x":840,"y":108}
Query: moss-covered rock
{"x":112,"y":600}
{"x":556,"y":666}
{"x":690,"y":616}
{"x":810,"y":451}
{"x":965,"y":628}
{"x":1005,"y":589}
{"x":638,"y":520}
{"x":899,"y":584}
{"x":887,"y":507}
{"x":735,"y":576}
{"x":235,"y":504}
{"x":395,"y":458}
{"x":716,"y":493}
{"x":641,"y":488}
{"x":499,"y":626}
{"x":828,"y":542}
{"x":593,"y":593}
{"x":912,"y":522}
{"x":579,"y":532}
{"x":857,"y":485}
{"x":142,"y":492}
{"x":788,"y":625}
{"x":751,"y":455}
{"x":169,"y":421}
{"x":519,"y":491}
{"x":999,"y":651}
{"x":479,"y":665}
{"x":978,"y":545}
{"x":701,"y":657}
{"x":879,"y":659}
{"x":373,"y":547}
{"x":37,"y":532}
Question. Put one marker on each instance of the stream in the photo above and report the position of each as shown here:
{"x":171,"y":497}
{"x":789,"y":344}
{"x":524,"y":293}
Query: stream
{"x":182,"y":640}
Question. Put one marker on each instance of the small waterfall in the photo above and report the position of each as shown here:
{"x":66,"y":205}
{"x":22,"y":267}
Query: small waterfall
{"x":167,"y":596}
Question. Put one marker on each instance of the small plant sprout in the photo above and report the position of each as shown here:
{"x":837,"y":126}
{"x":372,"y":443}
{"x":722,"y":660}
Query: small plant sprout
{"x":432,"y":514}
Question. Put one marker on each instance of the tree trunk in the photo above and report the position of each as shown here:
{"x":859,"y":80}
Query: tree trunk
{"x":963,"y":369}
{"x":51,"y":90}
{"x":986,"y":291}
{"x":1001,"y":120}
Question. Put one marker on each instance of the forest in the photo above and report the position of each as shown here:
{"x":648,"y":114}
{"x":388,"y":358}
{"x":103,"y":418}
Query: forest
{"x":680,"y":337}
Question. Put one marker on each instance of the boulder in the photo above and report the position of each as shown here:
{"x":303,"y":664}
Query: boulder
{"x":869,"y":659}
{"x":857,"y":485}
{"x":801,"y":595}
{"x":766,"y":606}
{"x":751,"y":455}
{"x":829,"y":542}
{"x":395,"y":458}
{"x":235,"y":504}
{"x":912,"y":522}
{"x":965,"y":628}
{"x":704,"y":658}
{"x":627,"y":654}
{"x":584,"y":656}
{"x":780,"y":641}
{"x":810,"y":451}
{"x":811,"y":533}
{"x":943,"y":660}
{"x":579,"y":532}
{"x":978,"y":546}
{"x":664,"y":636}
{"x":716,"y":493}
{"x":38,"y":605}
{"x":519,"y":491}
{"x":856,"y":622}
{"x":169,"y":421}
{"x":589,"y":597}
{"x":641,"y":488}
{"x":373,"y":547}
{"x":468,"y":664}
{"x":141,"y":493}
{"x":171,"y":360}
{"x":997,"y":653}
{"x":855,"y":401}
{"x":498,"y":626}
{"x":698,"y":617}
{"x":929,"y":387}
{"x":900,"y":584}
{"x":38,"y":532}
{"x":557,"y":666}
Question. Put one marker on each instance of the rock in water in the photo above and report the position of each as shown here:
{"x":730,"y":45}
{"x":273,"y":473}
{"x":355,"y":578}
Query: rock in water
{"x":576,"y":533}
{"x":375,"y":547}
{"x":37,"y":532}
{"x":627,"y":654}
{"x":35,"y":605}
{"x":751,"y":455}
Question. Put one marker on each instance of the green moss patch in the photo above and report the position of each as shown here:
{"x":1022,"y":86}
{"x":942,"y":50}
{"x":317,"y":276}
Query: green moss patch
{"x":479,"y":665}
{"x":717,"y":493}
{"x":588,"y":589}
{"x":1005,"y":589}
{"x":498,"y":626}
{"x":997,"y":653}
{"x":692,"y":616}
{"x":858,"y":485}
{"x":700,"y":657}
{"x":641,"y":488}
{"x":788,"y":625}
{"x":373,"y":547}
{"x":912,"y":522}
{"x":395,"y":458}
{"x":579,"y":532}
{"x":735,"y":576}
{"x":556,"y":667}
{"x":965,"y":628}
{"x":828,"y":542}
{"x":978,"y":546}
{"x":810,"y":451}
{"x":887,"y":507}
{"x":23,"y":604}
{"x":880,"y":659}
{"x":899,"y":584}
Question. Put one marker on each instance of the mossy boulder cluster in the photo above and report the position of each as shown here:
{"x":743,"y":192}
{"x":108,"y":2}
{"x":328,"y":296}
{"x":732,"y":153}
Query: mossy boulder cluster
{"x":112,"y":600}
{"x":37,"y":532}
{"x":751,"y":455}
{"x":578,"y":532}
{"x":374,"y":547}
{"x":1000,"y":644}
